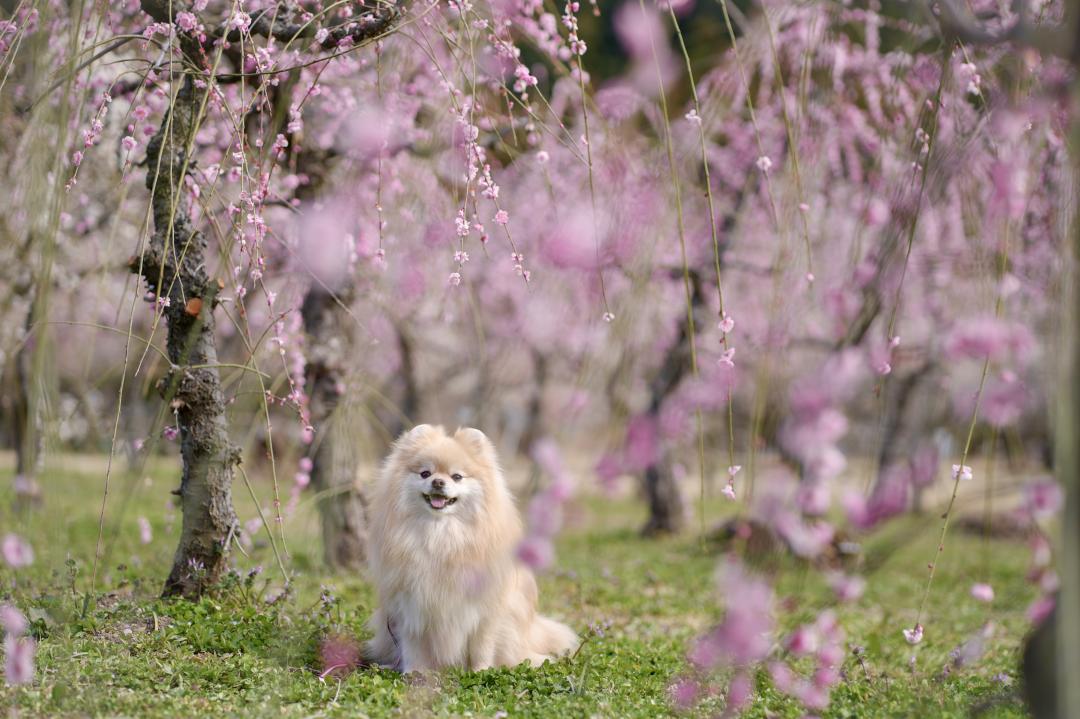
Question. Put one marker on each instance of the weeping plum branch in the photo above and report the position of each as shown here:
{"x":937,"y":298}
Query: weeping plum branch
{"x":173,"y":264}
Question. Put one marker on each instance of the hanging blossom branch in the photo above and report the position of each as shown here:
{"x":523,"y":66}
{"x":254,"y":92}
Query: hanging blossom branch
{"x":690,"y":288}
{"x":726,"y":324}
{"x":1061,"y":40}
{"x":174,"y":267}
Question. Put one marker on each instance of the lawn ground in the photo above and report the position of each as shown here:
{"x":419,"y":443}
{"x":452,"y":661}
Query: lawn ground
{"x":241,"y":653}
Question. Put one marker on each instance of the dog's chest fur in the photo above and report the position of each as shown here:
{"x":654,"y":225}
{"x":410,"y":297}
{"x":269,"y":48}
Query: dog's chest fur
{"x":443,"y":585}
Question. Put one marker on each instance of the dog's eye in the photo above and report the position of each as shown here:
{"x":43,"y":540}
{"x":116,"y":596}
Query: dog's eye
{"x":425,"y":474}
{"x":455,"y":477}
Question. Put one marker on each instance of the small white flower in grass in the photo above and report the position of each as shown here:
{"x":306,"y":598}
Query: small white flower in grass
{"x":726,"y":323}
{"x":609,"y":317}
{"x":728,"y":357}
{"x":894,"y":342}
{"x":733,"y":470}
{"x":982,"y":592}
{"x":693,"y":117}
{"x":728,"y":490}
{"x":764,"y":163}
{"x":455,"y":279}
{"x":146,"y":534}
{"x":914,"y":636}
{"x":962,"y":471}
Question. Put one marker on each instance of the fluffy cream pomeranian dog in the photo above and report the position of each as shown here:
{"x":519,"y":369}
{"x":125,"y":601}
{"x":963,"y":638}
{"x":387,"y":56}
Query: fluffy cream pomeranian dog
{"x":444,"y":530}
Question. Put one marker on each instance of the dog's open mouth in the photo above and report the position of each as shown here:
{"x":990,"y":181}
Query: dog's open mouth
{"x":439,"y":501}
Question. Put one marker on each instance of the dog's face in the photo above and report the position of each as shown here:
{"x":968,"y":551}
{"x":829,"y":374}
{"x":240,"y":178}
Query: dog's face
{"x":439,"y":475}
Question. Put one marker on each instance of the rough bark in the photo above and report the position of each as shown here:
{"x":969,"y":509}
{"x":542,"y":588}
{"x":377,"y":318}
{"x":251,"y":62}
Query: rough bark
{"x":173,"y":266}
{"x":333,"y":455}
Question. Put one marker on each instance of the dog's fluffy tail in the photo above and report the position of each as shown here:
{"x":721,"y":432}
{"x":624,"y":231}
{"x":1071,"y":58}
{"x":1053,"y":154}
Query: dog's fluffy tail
{"x":552,"y":638}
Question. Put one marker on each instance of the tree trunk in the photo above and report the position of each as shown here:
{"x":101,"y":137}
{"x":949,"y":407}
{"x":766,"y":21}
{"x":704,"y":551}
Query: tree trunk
{"x":534,"y":413}
{"x":409,"y":407}
{"x":661,"y":490}
{"x":27,"y":437}
{"x":666,"y":513}
{"x":333,"y":455}
{"x":907,"y":415}
{"x":173,"y":265}
{"x":1065,"y":657}
{"x":174,"y":268}
{"x":1052,"y":652}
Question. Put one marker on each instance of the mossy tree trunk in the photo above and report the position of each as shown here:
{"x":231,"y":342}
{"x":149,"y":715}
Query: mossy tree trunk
{"x":173,"y":264}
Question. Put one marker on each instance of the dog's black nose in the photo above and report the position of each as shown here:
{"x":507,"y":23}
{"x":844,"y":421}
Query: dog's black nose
{"x":438,"y":483}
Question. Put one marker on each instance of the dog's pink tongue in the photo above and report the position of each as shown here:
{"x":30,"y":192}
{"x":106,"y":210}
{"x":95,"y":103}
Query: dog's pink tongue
{"x":438,"y":502}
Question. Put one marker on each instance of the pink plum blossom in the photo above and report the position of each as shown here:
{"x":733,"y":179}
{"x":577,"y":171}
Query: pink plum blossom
{"x":847,"y":588}
{"x":536,"y":552}
{"x":962,"y":472}
{"x":989,"y":337}
{"x":16,"y":550}
{"x":684,"y":693}
{"x":19,"y":659}
{"x":1043,"y":499}
{"x":12,"y":620}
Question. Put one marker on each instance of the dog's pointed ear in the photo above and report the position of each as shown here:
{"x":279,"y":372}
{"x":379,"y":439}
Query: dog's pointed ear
{"x":477,"y":442}
{"x":416,"y":434}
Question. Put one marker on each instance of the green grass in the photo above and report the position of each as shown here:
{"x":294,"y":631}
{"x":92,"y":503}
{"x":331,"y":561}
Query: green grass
{"x":236,"y":654}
